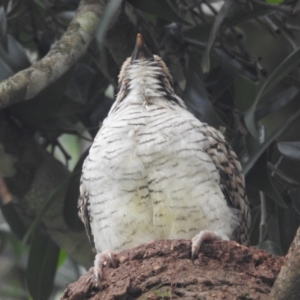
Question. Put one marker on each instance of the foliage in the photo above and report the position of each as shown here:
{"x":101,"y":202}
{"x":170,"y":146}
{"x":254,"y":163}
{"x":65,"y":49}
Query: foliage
{"x":235,"y":66}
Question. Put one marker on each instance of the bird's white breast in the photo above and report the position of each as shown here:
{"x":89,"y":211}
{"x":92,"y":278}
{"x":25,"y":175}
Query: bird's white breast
{"x":148,"y":177}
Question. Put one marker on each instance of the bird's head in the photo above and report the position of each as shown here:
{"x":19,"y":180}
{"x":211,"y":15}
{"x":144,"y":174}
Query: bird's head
{"x":145,"y":76}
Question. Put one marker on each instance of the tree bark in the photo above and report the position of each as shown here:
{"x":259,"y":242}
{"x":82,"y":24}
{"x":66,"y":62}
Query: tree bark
{"x":64,"y":54}
{"x":164,"y":270}
{"x":287,"y":284}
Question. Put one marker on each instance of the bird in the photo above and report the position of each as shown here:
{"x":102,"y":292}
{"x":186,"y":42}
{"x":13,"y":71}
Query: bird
{"x":154,"y":171}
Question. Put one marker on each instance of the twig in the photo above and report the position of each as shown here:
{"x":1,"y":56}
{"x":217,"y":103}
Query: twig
{"x":263,"y":203}
{"x":5,"y":195}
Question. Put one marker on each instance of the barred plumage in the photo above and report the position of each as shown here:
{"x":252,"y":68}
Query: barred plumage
{"x":154,"y":171}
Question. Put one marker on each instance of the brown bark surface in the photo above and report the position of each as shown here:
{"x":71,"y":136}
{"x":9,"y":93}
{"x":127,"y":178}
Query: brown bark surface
{"x":287,"y":284}
{"x":164,"y":270}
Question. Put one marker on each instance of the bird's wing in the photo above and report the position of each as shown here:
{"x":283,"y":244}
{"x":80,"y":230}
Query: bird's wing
{"x":231,"y":179}
{"x":84,"y":214}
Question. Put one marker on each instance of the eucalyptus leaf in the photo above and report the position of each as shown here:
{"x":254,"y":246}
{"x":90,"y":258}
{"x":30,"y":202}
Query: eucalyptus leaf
{"x":59,"y":125}
{"x":290,"y":150}
{"x":46,"y":206}
{"x":158,"y":8}
{"x":78,"y":88}
{"x":275,"y":1}
{"x":219,"y":20}
{"x":42,"y":264}
{"x":241,"y":13}
{"x":225,"y":80}
{"x":245,"y":71}
{"x":14,"y":57}
{"x":3,"y":28}
{"x":279,"y":101}
{"x":7,"y":162}
{"x":287,"y":226}
{"x":110,"y":10}
{"x":13,"y":219}
{"x":199,"y":32}
{"x":71,"y":199}
{"x":254,"y":157}
{"x":258,"y":177}
{"x":255,"y":223}
{"x":62,"y":258}
{"x":284,"y":68}
{"x":294,"y":195}
{"x":13,"y":241}
{"x":196,"y":99}
{"x":70,"y":107}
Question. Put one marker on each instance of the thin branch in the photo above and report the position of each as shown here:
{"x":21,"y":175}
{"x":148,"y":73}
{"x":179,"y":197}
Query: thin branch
{"x":5,"y":195}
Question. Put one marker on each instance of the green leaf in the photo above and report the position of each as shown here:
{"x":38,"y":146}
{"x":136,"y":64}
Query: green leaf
{"x":58,"y":125}
{"x":13,"y":293}
{"x":290,"y":150}
{"x":255,"y":223}
{"x":7,"y":162}
{"x":70,"y":107}
{"x":294,"y":196}
{"x":244,"y":92}
{"x":42,"y":264}
{"x":71,"y":199}
{"x":287,"y":226}
{"x":15,"y":57}
{"x":258,"y":177}
{"x":78,"y":88}
{"x":290,"y":63}
{"x":248,"y":72}
{"x":158,"y":8}
{"x":107,"y":17}
{"x":225,"y":80}
{"x":44,"y":209}
{"x":3,"y":28}
{"x":275,"y":1}
{"x":62,"y":257}
{"x":241,"y":13}
{"x":98,"y":85}
{"x":199,"y":32}
{"x":12,"y":218}
{"x":255,"y":156}
{"x":13,"y":241}
{"x":196,"y":99}
{"x":219,"y":20}
{"x":278,"y":102}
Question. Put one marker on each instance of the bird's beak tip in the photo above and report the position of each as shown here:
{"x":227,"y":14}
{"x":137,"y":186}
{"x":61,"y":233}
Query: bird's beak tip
{"x":140,"y":50}
{"x":139,"y":41}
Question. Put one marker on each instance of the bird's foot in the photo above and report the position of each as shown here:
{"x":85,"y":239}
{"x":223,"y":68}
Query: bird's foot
{"x":204,"y":235}
{"x":101,"y":259}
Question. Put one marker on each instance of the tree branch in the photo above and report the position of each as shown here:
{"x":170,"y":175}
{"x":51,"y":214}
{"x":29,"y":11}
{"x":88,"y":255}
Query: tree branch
{"x":164,"y":270}
{"x":287,"y":285}
{"x":28,"y":83}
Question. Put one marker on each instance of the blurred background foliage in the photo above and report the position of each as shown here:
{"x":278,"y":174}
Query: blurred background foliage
{"x":235,"y":63}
